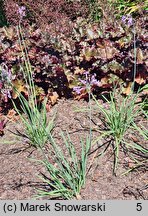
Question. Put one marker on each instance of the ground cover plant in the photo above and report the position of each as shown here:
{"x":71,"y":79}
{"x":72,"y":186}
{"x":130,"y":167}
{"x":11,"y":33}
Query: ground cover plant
{"x":77,"y":50}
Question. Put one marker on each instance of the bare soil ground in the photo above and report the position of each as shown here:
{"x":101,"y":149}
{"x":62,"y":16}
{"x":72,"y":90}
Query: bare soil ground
{"x":18,"y":173}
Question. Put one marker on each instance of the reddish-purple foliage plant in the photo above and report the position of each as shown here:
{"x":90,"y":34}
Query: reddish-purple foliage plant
{"x":46,"y":12}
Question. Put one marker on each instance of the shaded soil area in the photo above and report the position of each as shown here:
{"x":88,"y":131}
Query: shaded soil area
{"x":19,"y":173}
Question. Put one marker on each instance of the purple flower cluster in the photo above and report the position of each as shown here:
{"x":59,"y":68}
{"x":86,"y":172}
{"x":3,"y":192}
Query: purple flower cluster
{"x":78,"y":89}
{"x":21,"y":11}
{"x":127,"y":20}
{"x":88,"y":83}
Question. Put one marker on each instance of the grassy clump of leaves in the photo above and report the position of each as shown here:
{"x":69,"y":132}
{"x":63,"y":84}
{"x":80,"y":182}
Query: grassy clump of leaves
{"x":34,"y":119}
{"x":35,"y":122}
{"x":141,"y":153}
{"x":67,"y":176}
{"x":141,"y":128}
{"x":118,"y":119}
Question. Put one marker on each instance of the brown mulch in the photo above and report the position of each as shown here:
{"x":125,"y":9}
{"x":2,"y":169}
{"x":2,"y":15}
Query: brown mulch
{"x":18,"y":173}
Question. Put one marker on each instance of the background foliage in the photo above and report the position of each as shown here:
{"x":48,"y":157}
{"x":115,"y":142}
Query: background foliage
{"x":64,"y":39}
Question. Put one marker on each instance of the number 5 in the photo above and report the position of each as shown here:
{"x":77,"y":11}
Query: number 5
{"x":139,"y":206}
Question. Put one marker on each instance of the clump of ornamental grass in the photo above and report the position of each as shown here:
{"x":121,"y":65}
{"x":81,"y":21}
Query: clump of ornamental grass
{"x":118,"y":119}
{"x":67,"y":177}
{"x":33,"y":118}
{"x":68,"y":174}
{"x":144,"y":108}
{"x":140,"y":157}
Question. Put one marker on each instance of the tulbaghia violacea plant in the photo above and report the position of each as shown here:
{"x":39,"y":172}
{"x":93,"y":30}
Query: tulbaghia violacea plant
{"x":34,"y":118}
{"x":87,"y":84}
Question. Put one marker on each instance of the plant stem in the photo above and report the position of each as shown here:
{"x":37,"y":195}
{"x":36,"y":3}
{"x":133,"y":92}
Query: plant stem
{"x":135,"y":57}
{"x":90,"y":119}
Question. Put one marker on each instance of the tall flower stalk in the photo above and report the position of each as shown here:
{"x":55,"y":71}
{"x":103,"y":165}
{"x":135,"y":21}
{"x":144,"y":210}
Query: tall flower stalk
{"x":35,"y":122}
{"x":128,"y":20}
{"x":135,"y":57}
{"x":87,"y":85}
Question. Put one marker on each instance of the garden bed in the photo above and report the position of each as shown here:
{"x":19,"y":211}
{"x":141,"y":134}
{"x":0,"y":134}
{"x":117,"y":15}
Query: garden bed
{"x":18,"y":175}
